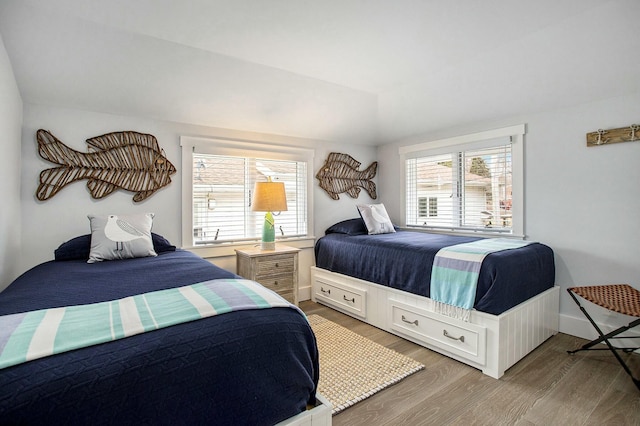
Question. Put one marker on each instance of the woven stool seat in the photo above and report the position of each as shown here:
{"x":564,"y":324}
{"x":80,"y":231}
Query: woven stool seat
{"x":620,"y":298}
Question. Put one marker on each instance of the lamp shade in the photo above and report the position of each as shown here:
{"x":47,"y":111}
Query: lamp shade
{"x":269,"y":197}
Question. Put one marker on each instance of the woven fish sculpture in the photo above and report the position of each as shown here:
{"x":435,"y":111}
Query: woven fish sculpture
{"x":340,"y":174}
{"x":129,"y":160}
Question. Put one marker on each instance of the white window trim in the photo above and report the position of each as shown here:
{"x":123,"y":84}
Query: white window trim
{"x":240,"y":148}
{"x":516,"y":133}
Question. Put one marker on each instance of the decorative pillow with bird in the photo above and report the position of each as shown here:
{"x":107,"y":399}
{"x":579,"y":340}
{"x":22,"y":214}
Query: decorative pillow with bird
{"x":121,"y":237}
{"x":376,"y":218}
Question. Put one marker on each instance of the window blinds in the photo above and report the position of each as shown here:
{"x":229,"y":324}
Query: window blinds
{"x":222,"y":189}
{"x":464,"y":189}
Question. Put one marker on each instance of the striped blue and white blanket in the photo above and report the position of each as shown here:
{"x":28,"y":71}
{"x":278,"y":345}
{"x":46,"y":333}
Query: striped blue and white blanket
{"x":454,"y":277}
{"x":36,"y":334}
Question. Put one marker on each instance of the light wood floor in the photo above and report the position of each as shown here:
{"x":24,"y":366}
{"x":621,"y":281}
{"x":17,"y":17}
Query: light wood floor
{"x":547,"y":387}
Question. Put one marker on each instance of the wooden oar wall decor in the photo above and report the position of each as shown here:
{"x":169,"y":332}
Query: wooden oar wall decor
{"x":128,"y":160}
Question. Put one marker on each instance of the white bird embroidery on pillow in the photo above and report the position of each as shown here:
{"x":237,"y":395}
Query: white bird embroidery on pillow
{"x":120,"y":231}
{"x":381,"y":219}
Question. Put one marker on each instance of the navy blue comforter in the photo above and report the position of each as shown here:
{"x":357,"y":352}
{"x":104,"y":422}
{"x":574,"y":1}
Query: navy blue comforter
{"x":246,"y":367}
{"x":403,"y":260}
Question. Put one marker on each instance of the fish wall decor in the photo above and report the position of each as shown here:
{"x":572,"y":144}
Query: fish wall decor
{"x":340,"y":174}
{"x":129,"y":160}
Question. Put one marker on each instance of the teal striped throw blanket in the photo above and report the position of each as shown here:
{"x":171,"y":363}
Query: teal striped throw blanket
{"x":36,"y":334}
{"x":455,"y":272}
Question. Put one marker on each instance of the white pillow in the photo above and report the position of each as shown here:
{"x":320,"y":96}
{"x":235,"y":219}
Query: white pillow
{"x":376,"y":218}
{"x":121,"y":237}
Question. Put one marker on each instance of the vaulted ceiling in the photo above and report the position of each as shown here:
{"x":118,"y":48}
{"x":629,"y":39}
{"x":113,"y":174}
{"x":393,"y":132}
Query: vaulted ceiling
{"x":359,"y":71}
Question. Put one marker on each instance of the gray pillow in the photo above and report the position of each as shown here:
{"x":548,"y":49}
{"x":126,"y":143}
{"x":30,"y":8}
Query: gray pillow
{"x":121,"y":237}
{"x":376,"y":218}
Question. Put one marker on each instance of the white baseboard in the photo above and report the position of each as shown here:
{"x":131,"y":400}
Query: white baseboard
{"x":304,"y":293}
{"x":578,"y":327}
{"x":581,"y":327}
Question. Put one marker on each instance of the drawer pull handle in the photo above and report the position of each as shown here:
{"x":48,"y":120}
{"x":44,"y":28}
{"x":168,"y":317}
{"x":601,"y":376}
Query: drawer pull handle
{"x":353,"y":300}
{"x":461,"y":338}
{"x":410,"y":322}
{"x":275,"y":282}
{"x":277,"y":264}
{"x":325,"y":291}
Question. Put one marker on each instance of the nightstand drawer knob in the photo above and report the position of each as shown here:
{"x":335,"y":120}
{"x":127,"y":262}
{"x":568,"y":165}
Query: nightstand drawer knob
{"x":275,"y":282}
{"x":277,"y":265}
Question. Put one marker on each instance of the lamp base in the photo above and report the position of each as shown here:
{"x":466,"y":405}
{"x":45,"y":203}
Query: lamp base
{"x":268,"y":245}
{"x":268,"y":241}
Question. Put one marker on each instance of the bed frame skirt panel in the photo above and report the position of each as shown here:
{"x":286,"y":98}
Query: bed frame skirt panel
{"x":491,"y":343}
{"x":320,"y":415}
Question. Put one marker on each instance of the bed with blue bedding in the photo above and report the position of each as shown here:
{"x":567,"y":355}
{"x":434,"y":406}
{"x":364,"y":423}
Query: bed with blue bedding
{"x":251,"y":366}
{"x":403,"y":260}
{"x":389,"y":280}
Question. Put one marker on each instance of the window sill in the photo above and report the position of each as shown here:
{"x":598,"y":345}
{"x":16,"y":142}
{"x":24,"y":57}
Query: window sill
{"x":466,"y":233}
{"x":229,"y":249}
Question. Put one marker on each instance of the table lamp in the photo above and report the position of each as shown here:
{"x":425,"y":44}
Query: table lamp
{"x":269,"y":197}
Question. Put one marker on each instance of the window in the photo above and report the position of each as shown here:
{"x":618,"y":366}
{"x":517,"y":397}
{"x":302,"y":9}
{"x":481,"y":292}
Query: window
{"x":422,"y":207}
{"x":427,"y":207}
{"x":471,"y":183}
{"x":433,"y":206}
{"x":220,"y":177}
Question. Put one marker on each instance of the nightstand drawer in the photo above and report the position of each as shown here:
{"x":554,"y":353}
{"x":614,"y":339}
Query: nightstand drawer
{"x":271,"y":265}
{"x":277,"y":282}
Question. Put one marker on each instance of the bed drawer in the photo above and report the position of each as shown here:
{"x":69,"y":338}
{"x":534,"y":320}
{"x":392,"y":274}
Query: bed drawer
{"x":343,"y":297}
{"x":458,"y":337}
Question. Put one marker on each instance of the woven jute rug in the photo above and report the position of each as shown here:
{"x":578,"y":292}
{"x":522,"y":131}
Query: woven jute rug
{"x":352,"y":367}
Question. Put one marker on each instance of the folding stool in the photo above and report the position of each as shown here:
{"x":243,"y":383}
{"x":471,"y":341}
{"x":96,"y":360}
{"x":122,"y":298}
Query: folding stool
{"x":621,"y":298}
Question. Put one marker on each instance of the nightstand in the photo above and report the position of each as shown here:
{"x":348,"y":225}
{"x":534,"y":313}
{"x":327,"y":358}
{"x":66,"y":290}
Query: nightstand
{"x":276,"y":269}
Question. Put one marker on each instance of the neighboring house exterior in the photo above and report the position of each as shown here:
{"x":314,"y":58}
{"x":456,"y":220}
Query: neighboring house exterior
{"x":222,"y":189}
{"x":436,"y":198}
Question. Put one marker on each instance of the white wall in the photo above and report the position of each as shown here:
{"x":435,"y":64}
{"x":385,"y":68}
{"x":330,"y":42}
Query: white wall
{"x":46,"y":224}
{"x":10,"y":123}
{"x":581,"y":201}
{"x":97,"y":66}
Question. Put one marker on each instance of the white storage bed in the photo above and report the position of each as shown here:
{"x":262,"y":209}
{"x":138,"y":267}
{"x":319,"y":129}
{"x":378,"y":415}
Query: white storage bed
{"x":491,"y":343}
{"x":320,"y":415}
